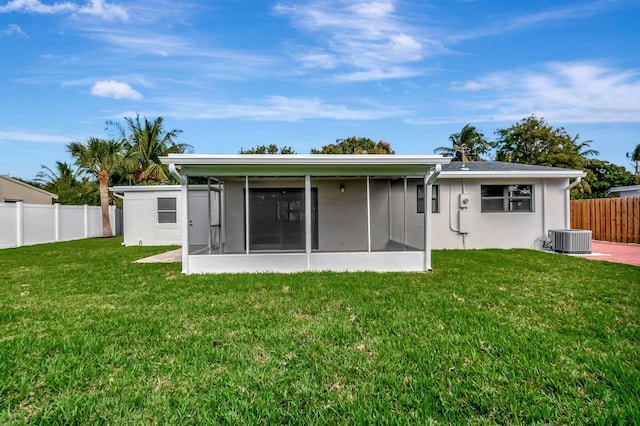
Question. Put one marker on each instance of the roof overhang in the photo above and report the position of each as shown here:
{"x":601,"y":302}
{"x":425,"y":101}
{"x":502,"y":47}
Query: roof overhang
{"x":301,"y":165}
{"x":514,"y":174}
{"x":143,"y":188}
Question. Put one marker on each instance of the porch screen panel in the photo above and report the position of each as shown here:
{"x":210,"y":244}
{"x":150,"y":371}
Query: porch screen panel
{"x":277,"y":219}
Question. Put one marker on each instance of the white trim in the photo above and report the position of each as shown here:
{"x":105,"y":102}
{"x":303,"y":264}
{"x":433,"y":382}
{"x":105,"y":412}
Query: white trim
{"x":398,"y":261}
{"x":303,"y":159}
{"x":462,"y":174}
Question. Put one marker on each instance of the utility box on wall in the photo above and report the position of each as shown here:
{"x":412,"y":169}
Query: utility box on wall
{"x":464,"y":221}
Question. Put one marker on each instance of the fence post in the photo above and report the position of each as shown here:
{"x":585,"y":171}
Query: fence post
{"x":19,"y":222}
{"x":56,"y":220}
{"x":86,"y":221}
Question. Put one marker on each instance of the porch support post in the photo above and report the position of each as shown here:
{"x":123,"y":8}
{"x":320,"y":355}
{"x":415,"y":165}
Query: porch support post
{"x":429,"y":179}
{"x":184,"y":201}
{"x":209,"y":229}
{"x":404,"y":212}
{"x":368,"y":215}
{"x":246,"y":213}
{"x":390,"y":210}
{"x":222,"y":218}
{"x":308,"y":219}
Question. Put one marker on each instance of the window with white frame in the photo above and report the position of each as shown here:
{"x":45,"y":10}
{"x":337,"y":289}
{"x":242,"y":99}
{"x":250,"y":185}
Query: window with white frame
{"x":507,"y":198}
{"x":435,"y":207}
{"x":167,"y":212}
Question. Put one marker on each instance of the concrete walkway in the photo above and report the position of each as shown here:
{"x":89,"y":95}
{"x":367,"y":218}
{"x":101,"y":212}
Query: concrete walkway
{"x":172,"y":256}
{"x":614,"y":252}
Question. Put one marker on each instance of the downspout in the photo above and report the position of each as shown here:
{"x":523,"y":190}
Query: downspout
{"x":178,"y":176}
{"x":184,"y":201}
{"x":567,"y":202}
{"x":429,"y":179}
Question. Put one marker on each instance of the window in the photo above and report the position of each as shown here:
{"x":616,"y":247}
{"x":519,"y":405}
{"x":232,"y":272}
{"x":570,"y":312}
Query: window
{"x":507,"y":198}
{"x":167,"y":210}
{"x":435,"y":207}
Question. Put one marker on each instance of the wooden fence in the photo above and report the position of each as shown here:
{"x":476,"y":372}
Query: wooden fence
{"x":609,"y":219}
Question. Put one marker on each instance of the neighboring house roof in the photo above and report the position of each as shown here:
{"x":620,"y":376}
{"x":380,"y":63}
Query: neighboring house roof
{"x":501,"y":169}
{"x":27,"y":186}
{"x":621,"y":189}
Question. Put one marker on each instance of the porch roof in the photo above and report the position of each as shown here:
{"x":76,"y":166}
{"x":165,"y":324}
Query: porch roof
{"x":301,"y":165}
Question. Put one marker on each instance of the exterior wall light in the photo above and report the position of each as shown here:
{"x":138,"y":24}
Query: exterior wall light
{"x":342,"y":189}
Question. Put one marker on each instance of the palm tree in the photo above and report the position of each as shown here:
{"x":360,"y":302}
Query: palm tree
{"x":147,"y":141}
{"x":634,"y":156}
{"x":68,"y":184}
{"x":100,"y":158}
{"x":468,"y":145}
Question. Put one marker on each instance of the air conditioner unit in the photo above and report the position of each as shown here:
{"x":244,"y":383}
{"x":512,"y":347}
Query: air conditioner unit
{"x":575,"y":241}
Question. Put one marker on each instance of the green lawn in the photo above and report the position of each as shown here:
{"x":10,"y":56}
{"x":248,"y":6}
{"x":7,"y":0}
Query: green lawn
{"x":490,"y":337}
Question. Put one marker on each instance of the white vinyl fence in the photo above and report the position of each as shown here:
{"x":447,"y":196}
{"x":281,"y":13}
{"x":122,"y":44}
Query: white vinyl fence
{"x":28,"y":224}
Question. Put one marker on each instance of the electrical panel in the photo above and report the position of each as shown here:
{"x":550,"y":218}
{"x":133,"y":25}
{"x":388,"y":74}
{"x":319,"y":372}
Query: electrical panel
{"x":464,"y":221}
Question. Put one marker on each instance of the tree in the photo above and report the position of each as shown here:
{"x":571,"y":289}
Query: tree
{"x":602,"y":176}
{"x":271,"y":149}
{"x":147,"y":141}
{"x":68,"y":184}
{"x":468,"y":145}
{"x":634,"y":156}
{"x":100,"y":158}
{"x":533,"y":141}
{"x":355,"y":145}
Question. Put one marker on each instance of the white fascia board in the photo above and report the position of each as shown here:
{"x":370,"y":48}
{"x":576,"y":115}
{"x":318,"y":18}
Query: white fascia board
{"x":153,"y":188}
{"x":301,"y":165}
{"x":303,"y":159}
{"x":143,"y":188}
{"x":467,"y":174}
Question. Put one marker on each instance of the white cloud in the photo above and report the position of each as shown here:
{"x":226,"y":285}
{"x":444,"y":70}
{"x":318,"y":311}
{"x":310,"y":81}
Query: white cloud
{"x":32,"y":137}
{"x":98,"y":8}
{"x":560,"y":91}
{"x":504,"y":23}
{"x":115,"y":89}
{"x":276,"y":108}
{"x":368,"y":36}
{"x":13,"y":29}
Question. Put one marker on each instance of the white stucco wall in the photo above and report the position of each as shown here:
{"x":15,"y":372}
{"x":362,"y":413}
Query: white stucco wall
{"x":498,"y":229}
{"x":141,"y":226}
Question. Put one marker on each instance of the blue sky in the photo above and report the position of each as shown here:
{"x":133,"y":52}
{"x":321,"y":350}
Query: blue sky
{"x":234,"y":74}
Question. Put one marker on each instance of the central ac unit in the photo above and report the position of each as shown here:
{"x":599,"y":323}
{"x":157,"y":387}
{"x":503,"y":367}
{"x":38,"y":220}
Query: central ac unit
{"x":575,"y":241}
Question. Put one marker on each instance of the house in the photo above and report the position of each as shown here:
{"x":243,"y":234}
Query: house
{"x":152,"y":214}
{"x":13,"y":191}
{"x":351,"y":212}
{"x":624,"y":191}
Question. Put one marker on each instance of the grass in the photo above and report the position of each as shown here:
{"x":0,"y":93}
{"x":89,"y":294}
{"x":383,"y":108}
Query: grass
{"x":490,"y":337}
